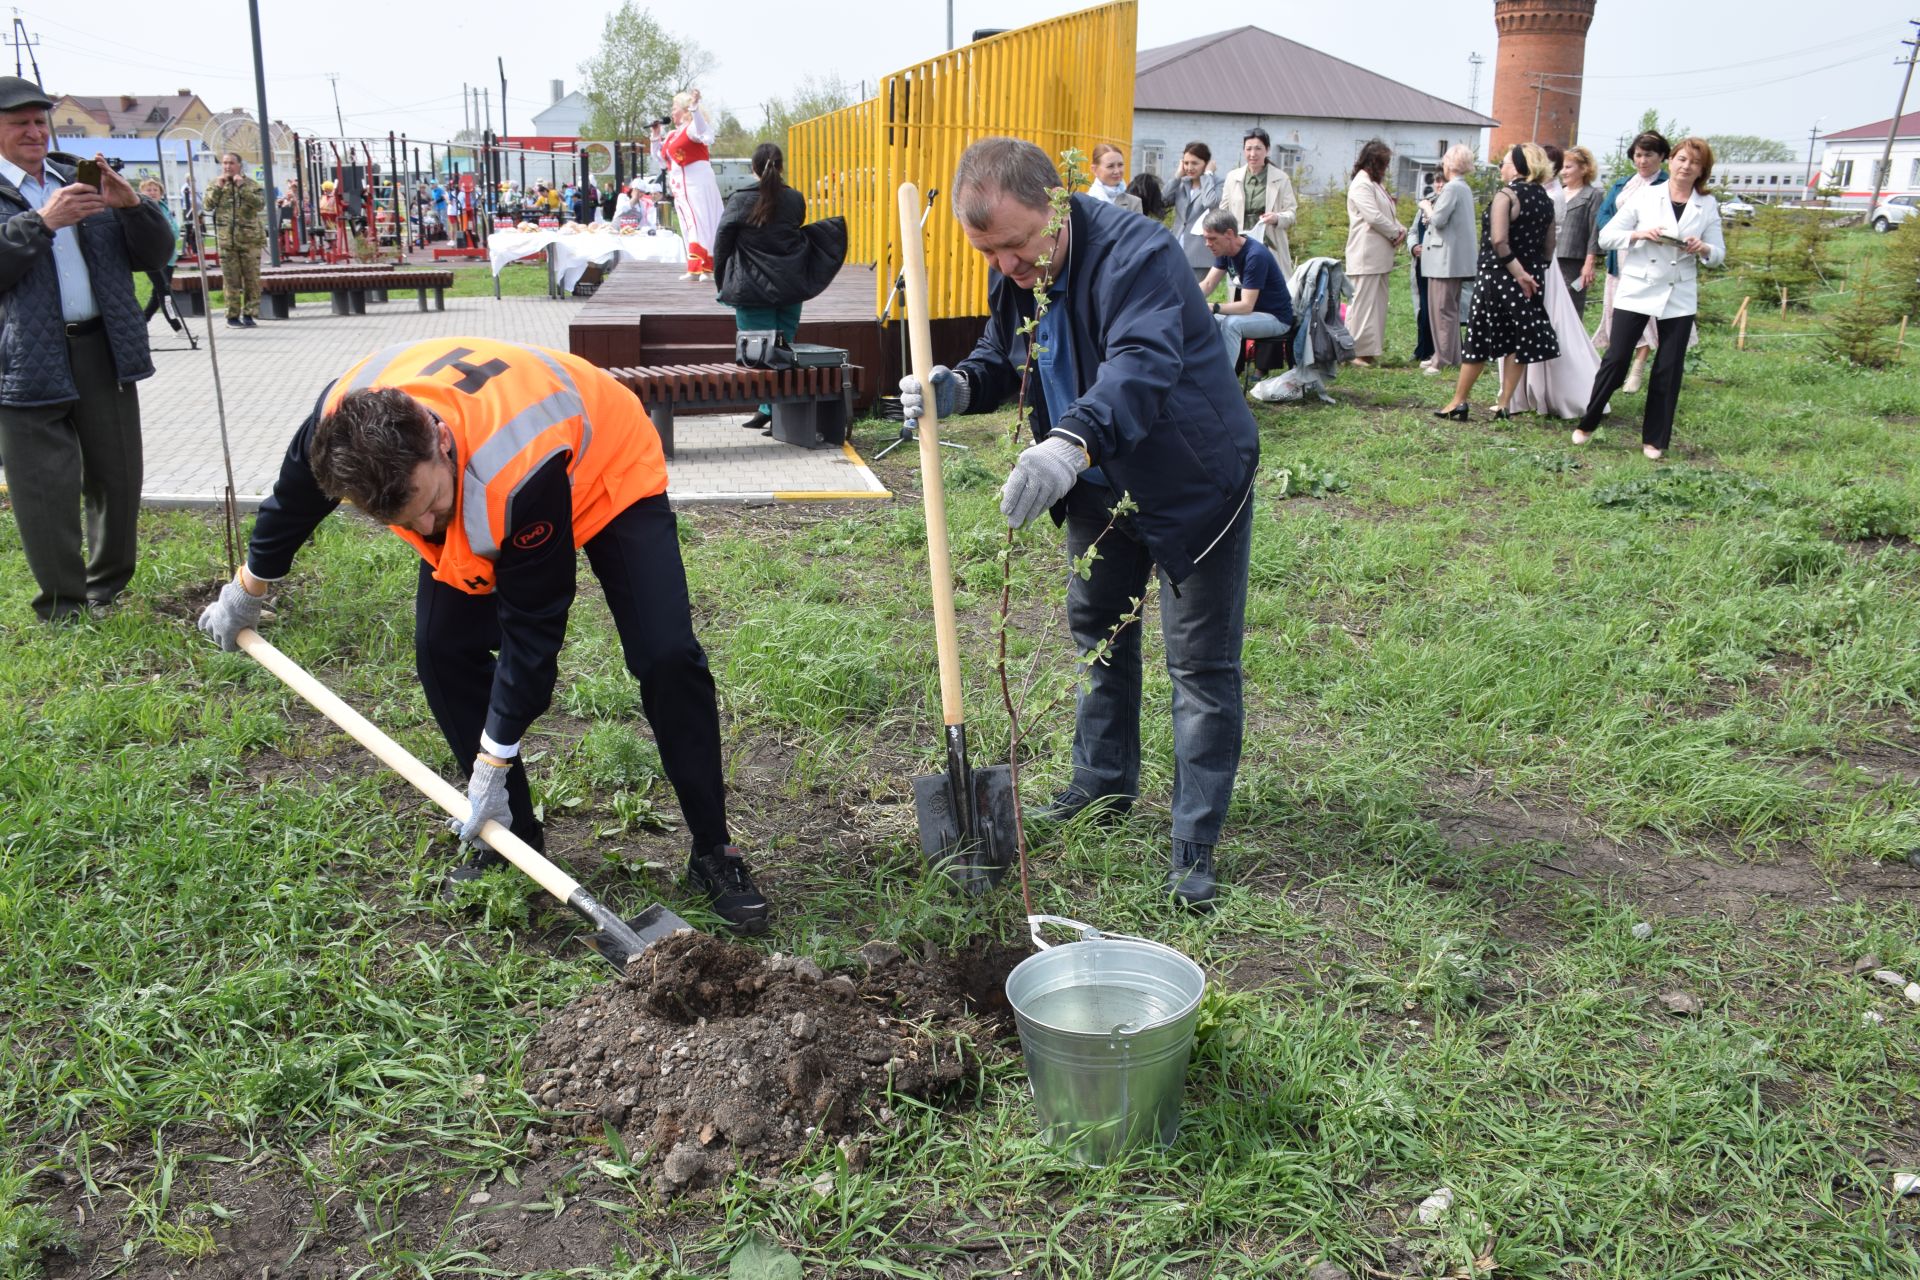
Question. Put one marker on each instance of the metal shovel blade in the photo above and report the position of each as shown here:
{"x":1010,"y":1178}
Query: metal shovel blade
{"x":620,"y":942}
{"x":974,"y":859}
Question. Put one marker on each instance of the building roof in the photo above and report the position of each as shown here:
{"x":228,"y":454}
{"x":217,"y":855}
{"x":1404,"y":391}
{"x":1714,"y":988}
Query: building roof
{"x":1877,"y":131}
{"x":1249,"y":71}
{"x":123,"y":113}
{"x":574,"y":104}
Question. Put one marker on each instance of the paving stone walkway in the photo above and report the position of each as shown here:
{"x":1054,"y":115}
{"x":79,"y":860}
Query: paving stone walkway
{"x":271,"y":375}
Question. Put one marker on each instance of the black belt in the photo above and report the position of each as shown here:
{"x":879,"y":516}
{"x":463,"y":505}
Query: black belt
{"x":81,"y":328}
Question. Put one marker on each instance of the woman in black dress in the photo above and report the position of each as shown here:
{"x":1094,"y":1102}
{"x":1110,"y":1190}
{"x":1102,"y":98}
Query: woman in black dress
{"x":1509,"y":315}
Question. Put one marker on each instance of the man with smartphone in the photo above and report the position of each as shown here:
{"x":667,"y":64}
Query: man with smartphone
{"x":239,"y":209}
{"x":73,"y":343}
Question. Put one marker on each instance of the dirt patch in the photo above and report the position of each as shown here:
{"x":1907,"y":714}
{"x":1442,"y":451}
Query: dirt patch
{"x":708,"y":1055}
{"x":188,"y":601}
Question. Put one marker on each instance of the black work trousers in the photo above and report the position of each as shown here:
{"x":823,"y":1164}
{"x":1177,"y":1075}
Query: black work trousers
{"x":456,"y":638}
{"x":1663,"y":388}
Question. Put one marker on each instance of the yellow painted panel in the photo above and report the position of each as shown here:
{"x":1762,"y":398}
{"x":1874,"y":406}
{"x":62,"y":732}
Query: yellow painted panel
{"x":1066,"y":83}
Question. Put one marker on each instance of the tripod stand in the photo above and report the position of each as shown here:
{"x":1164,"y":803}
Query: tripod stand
{"x":910,"y":434}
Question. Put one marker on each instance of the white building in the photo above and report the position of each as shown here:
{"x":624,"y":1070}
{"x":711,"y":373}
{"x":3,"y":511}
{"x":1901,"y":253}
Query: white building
{"x":1853,"y":155}
{"x":565,"y":117}
{"x":1317,"y":108}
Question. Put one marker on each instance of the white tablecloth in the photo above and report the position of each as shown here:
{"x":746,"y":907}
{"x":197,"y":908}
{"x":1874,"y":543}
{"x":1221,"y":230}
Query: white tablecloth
{"x":571,"y":253}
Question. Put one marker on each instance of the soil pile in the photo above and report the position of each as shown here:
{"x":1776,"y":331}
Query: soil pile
{"x":708,"y":1053}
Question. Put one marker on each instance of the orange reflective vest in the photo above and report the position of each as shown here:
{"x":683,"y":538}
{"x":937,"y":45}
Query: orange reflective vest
{"x":511,"y":408}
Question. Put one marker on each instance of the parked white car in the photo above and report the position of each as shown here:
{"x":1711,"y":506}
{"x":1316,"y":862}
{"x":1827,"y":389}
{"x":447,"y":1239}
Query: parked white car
{"x":1893,"y":212}
{"x":1736,"y":210}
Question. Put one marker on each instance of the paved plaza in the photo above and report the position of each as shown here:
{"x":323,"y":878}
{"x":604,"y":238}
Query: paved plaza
{"x":272,"y":375}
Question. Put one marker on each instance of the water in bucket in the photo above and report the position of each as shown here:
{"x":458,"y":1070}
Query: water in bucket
{"x":1106,"y":1028}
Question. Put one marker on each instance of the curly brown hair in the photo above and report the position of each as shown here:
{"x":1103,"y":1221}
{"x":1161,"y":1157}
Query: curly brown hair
{"x":368,"y":448}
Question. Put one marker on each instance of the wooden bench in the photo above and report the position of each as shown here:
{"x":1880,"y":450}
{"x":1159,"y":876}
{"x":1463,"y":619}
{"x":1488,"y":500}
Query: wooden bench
{"x":811,"y":407}
{"x":350,"y":287}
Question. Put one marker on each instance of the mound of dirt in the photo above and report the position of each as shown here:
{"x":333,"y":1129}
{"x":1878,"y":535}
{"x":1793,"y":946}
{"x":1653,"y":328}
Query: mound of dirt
{"x":708,"y":1054}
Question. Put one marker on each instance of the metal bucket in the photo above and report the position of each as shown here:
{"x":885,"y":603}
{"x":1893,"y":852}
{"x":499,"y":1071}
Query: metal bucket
{"x":1106,"y":1026}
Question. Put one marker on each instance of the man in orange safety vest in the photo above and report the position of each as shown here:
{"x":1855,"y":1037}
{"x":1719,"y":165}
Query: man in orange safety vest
{"x":496,"y":461}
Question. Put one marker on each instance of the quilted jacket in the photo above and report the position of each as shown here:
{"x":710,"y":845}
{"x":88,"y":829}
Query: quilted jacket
{"x":33,"y":345}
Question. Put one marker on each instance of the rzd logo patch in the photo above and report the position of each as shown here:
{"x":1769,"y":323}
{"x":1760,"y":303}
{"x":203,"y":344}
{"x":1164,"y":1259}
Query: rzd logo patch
{"x":534,"y":535}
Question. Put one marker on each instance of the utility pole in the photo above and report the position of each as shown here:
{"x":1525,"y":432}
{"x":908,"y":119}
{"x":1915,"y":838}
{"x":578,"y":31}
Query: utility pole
{"x":1474,"y":61}
{"x":20,"y":41}
{"x":485,"y":116}
{"x":1885,"y":168}
{"x":503,"y":93}
{"x":266,"y":137}
{"x":334,"y":76}
{"x":949,"y":26}
{"x":1813,"y":135}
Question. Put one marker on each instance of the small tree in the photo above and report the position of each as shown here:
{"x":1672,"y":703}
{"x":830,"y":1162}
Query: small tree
{"x":639,"y":67}
{"x":1746,"y":148}
{"x":1900,"y":267}
{"x":814,"y":96}
{"x":1772,"y":255}
{"x":1857,"y":329}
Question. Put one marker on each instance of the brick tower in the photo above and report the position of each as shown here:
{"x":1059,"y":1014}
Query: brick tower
{"x":1536,"y":84}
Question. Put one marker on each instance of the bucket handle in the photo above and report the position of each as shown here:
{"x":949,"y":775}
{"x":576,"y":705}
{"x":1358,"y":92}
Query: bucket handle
{"x":1086,"y":931}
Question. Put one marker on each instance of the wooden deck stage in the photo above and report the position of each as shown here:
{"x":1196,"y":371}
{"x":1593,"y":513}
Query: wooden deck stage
{"x":644,"y":314}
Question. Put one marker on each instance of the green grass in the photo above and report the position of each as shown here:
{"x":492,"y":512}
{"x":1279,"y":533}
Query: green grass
{"x":516,"y":280}
{"x":221,"y":950}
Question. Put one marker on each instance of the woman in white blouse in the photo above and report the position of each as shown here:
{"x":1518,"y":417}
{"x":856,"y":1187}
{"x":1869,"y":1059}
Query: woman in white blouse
{"x":1662,"y":234}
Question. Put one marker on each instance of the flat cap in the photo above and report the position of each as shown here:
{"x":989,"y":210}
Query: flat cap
{"x":16,"y":93}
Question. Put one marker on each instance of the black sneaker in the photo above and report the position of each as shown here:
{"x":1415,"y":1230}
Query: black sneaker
{"x":235,"y":322}
{"x":1105,"y":811}
{"x":757,"y":421}
{"x":250,"y":322}
{"x":1190,"y":878}
{"x":721,"y":874}
{"x":479,"y":860}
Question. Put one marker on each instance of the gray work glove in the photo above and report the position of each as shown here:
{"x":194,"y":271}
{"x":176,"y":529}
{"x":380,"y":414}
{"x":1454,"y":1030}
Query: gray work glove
{"x":232,"y":611}
{"x":487,"y":796}
{"x":1041,"y":477}
{"x":950,"y":394}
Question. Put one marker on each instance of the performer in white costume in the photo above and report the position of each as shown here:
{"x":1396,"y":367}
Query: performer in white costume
{"x":683,"y":155}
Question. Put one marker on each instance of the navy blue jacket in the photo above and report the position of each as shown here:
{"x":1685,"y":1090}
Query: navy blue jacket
{"x":1159,"y":409}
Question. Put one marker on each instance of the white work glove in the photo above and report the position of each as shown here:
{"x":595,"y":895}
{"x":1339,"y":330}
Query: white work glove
{"x":487,"y":796}
{"x":950,"y":394}
{"x":232,"y":611}
{"x":1041,"y":477}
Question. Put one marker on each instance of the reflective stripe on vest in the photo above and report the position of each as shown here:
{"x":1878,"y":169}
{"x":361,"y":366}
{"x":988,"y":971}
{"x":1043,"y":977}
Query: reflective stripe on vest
{"x":472,"y":385}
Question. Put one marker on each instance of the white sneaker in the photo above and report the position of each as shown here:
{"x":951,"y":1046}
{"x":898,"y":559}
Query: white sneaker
{"x":1633,"y":380}
{"x":1431,"y":370}
{"x":691,"y":275}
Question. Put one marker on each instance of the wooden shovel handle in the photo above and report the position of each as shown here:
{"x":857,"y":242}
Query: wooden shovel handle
{"x":946,"y":635}
{"x":403,"y":762}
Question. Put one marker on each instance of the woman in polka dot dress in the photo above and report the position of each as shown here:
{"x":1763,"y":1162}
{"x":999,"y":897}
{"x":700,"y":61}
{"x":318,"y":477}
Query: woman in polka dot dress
{"x":1509,"y":314}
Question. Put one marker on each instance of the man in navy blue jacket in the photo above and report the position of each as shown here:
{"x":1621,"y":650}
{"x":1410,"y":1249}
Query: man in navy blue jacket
{"x":1128,"y":395}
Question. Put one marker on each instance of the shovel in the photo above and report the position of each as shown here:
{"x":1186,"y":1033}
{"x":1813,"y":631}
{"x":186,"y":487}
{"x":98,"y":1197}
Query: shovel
{"x":967,"y":815}
{"x":618,"y":941}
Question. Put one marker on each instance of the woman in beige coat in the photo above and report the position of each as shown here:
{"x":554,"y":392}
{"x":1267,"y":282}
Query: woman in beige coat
{"x":1260,"y":197}
{"x":1373,"y":235}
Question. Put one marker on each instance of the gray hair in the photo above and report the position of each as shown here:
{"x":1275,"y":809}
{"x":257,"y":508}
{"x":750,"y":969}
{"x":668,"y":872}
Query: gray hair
{"x":996,"y":168}
{"x":1458,"y":159}
{"x":1219,"y":221}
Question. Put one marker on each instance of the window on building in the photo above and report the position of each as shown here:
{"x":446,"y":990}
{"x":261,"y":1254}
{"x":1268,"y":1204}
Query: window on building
{"x":1882,"y":169}
{"x":1152,"y":158}
{"x":1843,"y":174}
{"x":1913,"y":175}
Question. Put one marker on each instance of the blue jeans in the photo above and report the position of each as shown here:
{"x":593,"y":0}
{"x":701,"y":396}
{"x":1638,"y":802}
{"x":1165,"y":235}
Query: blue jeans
{"x":1235,"y":330}
{"x":1201,"y":623}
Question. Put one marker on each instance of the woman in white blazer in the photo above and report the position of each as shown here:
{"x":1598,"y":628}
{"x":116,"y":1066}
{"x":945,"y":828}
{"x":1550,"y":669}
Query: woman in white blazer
{"x":1449,"y":255}
{"x":1260,"y":197}
{"x":1662,"y":234}
{"x":1373,"y":234}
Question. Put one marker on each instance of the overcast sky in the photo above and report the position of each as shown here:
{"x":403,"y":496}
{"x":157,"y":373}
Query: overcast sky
{"x":1720,"y":66}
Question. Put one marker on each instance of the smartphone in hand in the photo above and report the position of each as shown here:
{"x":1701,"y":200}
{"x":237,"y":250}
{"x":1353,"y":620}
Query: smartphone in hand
{"x":88,"y":171}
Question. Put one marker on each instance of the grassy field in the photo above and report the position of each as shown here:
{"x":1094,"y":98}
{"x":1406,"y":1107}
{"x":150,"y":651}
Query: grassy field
{"x":1508,"y":700}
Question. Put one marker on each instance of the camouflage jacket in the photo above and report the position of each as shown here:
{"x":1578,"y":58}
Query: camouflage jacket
{"x":239,"y":213}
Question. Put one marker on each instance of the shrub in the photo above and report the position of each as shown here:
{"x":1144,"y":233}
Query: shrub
{"x":1858,"y":330}
{"x":1900,"y":269}
{"x":1869,"y":511}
